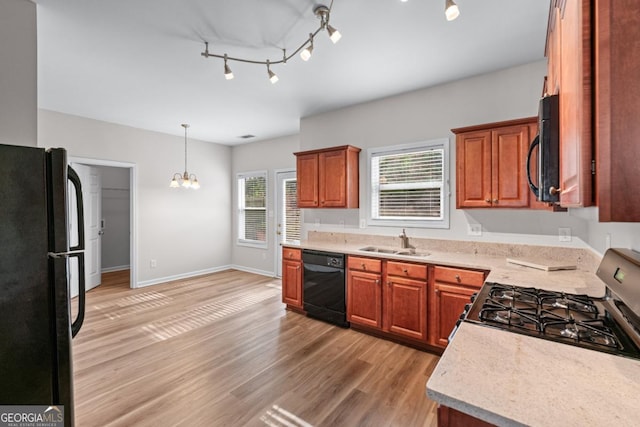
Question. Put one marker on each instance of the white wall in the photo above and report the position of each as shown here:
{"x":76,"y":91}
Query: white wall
{"x":184,"y":231}
{"x":115,"y":217}
{"x":18,"y":73}
{"x":269,"y":155}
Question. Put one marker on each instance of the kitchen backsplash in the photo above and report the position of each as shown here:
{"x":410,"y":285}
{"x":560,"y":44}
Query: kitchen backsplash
{"x":585,"y":259}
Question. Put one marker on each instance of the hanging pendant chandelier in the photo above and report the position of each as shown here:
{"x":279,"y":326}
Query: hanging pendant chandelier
{"x":185,"y":179}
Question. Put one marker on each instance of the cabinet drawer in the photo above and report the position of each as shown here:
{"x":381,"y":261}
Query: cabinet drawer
{"x":292,"y":254}
{"x":364,"y":264}
{"x":456,"y":275}
{"x":403,"y":269}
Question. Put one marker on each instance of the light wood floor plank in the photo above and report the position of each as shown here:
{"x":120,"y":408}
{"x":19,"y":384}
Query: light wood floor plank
{"x":221,"y":350}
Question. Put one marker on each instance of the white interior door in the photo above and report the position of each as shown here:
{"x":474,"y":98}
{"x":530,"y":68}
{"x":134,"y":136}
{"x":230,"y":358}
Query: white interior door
{"x":287,"y":214}
{"x":92,"y":204}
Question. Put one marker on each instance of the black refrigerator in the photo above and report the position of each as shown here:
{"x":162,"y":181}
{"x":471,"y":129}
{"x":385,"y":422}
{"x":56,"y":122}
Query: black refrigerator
{"x":35,"y":313}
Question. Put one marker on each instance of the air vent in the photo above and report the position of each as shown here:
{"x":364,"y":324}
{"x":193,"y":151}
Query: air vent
{"x":247,"y":136}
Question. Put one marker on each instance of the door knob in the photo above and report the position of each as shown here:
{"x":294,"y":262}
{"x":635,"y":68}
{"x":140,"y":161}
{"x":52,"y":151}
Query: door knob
{"x":100,"y":233}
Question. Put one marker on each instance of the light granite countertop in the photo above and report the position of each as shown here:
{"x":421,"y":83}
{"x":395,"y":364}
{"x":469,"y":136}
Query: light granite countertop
{"x":510,"y":379}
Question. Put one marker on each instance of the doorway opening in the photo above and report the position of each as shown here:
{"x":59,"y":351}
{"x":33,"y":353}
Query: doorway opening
{"x":109,"y":193}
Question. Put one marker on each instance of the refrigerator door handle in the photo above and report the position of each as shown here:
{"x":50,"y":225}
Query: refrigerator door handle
{"x":77,"y":324}
{"x":75,"y":180}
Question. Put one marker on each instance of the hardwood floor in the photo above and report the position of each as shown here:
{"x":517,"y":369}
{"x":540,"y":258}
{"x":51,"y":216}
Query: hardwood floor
{"x":221,"y":350}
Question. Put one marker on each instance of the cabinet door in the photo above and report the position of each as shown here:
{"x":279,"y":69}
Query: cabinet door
{"x":406,"y":307}
{"x":292,"y":283}
{"x":575,"y":104}
{"x":449,"y":305}
{"x":307,"y":180}
{"x":332,"y":181}
{"x":364,"y":298}
{"x":473,"y":164}
{"x":509,"y":185}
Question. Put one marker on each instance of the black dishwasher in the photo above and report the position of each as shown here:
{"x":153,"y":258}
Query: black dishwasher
{"x":324,"y":286}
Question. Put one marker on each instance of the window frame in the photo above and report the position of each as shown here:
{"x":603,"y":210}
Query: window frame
{"x":240,"y":241}
{"x":440,"y":143}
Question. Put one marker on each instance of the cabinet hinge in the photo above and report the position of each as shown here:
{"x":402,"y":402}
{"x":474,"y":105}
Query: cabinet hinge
{"x":593,"y":167}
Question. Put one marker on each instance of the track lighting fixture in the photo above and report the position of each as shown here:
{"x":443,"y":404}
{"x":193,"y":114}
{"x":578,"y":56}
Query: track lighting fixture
{"x":306,"y":52}
{"x":305,"y":49}
{"x":451,"y":10}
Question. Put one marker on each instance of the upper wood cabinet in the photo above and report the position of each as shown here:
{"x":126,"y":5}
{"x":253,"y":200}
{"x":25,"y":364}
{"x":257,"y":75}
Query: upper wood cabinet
{"x":491,"y":164}
{"x":569,"y":76}
{"x":617,"y":108}
{"x":328,"y":178}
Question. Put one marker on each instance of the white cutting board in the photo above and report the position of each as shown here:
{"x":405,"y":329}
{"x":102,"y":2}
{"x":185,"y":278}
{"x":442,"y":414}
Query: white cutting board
{"x":542,"y":264}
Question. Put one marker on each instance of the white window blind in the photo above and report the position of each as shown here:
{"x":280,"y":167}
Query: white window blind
{"x":408,"y":185}
{"x":291,"y":223}
{"x":252,"y":212}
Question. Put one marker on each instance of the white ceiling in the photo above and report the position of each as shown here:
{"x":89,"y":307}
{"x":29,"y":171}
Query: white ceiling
{"x":138,"y":63}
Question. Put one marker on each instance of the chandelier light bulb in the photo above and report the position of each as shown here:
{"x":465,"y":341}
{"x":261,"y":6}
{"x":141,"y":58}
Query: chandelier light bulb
{"x":451,"y":10}
{"x":184,"y":179}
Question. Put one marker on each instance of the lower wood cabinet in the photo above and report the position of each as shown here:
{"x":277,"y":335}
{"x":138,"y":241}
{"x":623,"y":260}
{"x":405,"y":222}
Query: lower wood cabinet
{"x":451,"y":290}
{"x":364,"y":292}
{"x":394,"y":301}
{"x":448,"y":417}
{"x":292,"y":278}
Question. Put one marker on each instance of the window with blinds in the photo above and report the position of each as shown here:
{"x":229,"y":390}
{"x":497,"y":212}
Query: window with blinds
{"x":291,"y":223}
{"x":408,"y":185}
{"x":252,"y":209}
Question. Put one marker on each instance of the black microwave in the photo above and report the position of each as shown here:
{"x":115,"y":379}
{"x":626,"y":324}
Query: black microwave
{"x":548,"y":143}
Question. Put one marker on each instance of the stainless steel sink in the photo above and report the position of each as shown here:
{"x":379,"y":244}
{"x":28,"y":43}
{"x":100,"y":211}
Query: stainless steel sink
{"x":403,"y":252}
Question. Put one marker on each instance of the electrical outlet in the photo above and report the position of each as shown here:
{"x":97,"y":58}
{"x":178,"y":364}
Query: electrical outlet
{"x":564,"y":234}
{"x":363,"y":223}
{"x":474,"y":229}
{"x":153,"y":263}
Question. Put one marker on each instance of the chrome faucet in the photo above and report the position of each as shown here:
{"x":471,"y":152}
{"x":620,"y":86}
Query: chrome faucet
{"x":404,"y":240}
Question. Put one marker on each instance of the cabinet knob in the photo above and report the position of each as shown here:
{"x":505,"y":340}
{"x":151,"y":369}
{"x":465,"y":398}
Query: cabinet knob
{"x":298,"y":268}
{"x":458,"y":277}
{"x":364,"y":266}
{"x":495,"y":201}
{"x":553,"y":191}
{"x":437,"y":291}
{"x":389,"y":284}
{"x":377,"y":281}
{"x":487,"y":200}
{"x":405,"y":271}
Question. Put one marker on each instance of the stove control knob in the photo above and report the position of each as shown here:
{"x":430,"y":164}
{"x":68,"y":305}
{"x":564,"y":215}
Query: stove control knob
{"x":474,"y":296}
{"x":467,"y":307}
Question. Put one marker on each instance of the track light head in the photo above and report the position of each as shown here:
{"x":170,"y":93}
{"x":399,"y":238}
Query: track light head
{"x":306,"y":52}
{"x":451,"y":10}
{"x":334,"y":34}
{"x":228,"y":74}
{"x":273,"y":78}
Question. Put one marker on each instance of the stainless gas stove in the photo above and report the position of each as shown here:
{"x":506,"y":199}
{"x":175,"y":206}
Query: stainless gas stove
{"x":610,"y":324}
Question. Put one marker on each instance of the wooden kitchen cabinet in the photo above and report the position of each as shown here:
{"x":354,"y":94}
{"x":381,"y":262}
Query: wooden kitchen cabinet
{"x":364,"y":292}
{"x":406,"y":300}
{"x":491,"y":164}
{"x":328,"y":178}
{"x":451,"y":290}
{"x":388,"y":296}
{"x":568,"y":53}
{"x":292,"y":278}
{"x":617,"y":109}
{"x":448,"y":417}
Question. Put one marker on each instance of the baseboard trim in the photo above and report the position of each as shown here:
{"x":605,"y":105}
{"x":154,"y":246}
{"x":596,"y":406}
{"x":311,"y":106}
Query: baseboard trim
{"x":157,"y":281}
{"x":253,"y":270}
{"x":116,"y":268}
